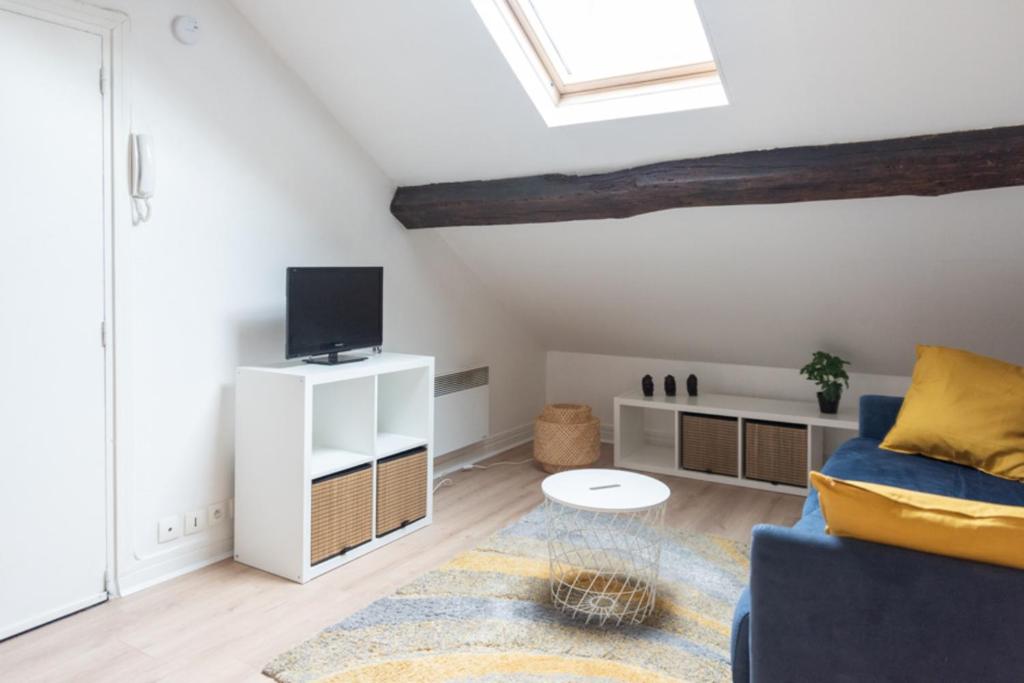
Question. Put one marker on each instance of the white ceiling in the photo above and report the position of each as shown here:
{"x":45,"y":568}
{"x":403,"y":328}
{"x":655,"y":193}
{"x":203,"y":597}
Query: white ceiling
{"x":423,"y":88}
{"x":422,"y":85}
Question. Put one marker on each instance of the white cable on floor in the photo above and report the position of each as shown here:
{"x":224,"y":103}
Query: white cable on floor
{"x":466,"y":468}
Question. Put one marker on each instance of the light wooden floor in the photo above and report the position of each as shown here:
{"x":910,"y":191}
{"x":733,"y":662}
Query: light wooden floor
{"x":224,"y":622}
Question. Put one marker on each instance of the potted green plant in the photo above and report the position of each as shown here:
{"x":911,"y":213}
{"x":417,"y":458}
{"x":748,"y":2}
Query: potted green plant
{"x":829,"y":373}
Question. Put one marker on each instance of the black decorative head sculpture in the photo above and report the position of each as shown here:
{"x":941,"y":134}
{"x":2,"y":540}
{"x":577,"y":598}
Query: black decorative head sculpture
{"x":647,"y":384}
{"x":691,"y":385}
{"x":670,"y":385}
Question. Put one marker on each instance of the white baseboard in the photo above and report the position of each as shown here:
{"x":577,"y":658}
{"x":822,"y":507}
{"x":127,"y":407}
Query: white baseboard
{"x":489,"y":447}
{"x":174,"y":566}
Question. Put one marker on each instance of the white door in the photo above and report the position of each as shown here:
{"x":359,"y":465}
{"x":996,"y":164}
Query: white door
{"x":52,"y":368}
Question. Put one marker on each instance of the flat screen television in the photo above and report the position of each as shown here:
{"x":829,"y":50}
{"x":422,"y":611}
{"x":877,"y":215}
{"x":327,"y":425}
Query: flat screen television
{"x":330,"y":310}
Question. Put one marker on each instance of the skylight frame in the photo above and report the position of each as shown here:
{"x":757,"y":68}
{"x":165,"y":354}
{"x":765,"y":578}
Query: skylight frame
{"x":607,"y":99}
{"x":526,"y":20}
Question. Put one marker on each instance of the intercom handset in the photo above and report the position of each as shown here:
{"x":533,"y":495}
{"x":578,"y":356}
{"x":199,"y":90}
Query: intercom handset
{"x":143,"y":174}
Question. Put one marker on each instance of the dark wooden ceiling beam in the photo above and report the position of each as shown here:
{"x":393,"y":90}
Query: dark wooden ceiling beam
{"x":925,"y":165}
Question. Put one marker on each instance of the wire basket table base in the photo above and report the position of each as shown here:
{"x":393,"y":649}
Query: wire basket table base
{"x":604,"y":564}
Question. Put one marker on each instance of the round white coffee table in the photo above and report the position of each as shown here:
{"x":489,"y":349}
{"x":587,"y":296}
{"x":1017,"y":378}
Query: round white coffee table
{"x":604,"y":543}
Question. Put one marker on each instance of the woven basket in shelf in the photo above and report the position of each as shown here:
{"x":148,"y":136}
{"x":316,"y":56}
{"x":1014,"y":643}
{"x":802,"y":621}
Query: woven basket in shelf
{"x":776,"y":453}
{"x":401,"y":491}
{"x":565,"y":437}
{"x":342,"y":513}
{"x":709,"y":444}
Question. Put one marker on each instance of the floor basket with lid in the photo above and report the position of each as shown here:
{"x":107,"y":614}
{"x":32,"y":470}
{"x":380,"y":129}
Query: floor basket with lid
{"x":566,"y":436}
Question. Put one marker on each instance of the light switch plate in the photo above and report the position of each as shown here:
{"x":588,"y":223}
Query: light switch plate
{"x":195,"y":522}
{"x":169,"y":528}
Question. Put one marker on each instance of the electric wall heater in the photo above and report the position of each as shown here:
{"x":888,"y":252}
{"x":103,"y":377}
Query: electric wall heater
{"x":462,"y":409}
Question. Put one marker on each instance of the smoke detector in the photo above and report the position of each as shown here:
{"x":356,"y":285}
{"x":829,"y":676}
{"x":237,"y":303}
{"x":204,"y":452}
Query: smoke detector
{"x":185,"y":29}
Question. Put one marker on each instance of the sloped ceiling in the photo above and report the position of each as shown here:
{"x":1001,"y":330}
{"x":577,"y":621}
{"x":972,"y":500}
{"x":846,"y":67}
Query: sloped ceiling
{"x":422,"y":86}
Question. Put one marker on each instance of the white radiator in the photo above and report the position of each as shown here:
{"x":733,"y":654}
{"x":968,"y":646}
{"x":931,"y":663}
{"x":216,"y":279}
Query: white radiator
{"x":462,"y":409}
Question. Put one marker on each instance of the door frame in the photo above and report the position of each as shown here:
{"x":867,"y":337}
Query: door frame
{"x":112,"y":27}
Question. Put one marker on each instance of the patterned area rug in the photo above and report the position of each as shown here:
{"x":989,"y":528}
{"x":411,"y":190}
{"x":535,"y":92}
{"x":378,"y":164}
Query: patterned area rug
{"x":486,"y":617}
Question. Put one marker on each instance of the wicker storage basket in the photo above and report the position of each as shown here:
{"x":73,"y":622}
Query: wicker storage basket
{"x":710,"y":444}
{"x":566,"y":436}
{"x":775,"y":452}
{"x":401,"y":490}
{"x":342,"y":513}
{"x":566,"y":413}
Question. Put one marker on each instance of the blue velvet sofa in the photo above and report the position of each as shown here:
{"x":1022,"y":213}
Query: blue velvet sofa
{"x":821,"y":608}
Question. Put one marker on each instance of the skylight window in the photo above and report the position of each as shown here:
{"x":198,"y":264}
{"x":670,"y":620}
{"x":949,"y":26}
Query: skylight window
{"x":590,"y":60}
{"x":590,"y":43}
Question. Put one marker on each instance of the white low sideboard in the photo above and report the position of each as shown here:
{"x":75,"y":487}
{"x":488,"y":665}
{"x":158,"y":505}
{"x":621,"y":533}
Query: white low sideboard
{"x":649,"y":433}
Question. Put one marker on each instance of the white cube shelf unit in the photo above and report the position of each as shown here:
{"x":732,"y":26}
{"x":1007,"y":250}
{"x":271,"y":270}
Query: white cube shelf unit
{"x":295,"y":424}
{"x":649,"y":434}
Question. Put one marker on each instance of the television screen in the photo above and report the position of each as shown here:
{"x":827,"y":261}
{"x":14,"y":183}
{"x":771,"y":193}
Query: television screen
{"x":333,"y":309}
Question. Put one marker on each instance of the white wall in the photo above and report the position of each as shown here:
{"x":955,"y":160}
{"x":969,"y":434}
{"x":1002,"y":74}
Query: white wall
{"x":596,"y":379}
{"x":868,"y":278}
{"x":766,"y":285}
{"x":254,"y":175}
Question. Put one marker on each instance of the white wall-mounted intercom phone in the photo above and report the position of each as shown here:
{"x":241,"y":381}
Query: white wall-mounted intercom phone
{"x":143,"y":174}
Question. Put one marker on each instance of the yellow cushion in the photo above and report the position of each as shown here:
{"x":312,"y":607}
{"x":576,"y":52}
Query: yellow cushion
{"x":983,"y":532}
{"x":963,"y":408}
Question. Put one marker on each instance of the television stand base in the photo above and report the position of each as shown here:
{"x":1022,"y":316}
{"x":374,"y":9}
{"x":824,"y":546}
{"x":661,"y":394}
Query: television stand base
{"x":333,"y":359}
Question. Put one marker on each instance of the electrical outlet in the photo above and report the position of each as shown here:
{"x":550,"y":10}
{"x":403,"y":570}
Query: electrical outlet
{"x":169,"y":528}
{"x":195,"y":522}
{"x":218,"y":512}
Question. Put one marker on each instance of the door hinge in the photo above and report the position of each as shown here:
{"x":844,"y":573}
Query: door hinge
{"x":103,"y":82}
{"x":103,"y":334}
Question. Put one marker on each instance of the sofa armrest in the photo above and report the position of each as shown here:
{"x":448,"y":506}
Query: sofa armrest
{"x":878,"y":414}
{"x":825,"y":608}
{"x":739,"y":649}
